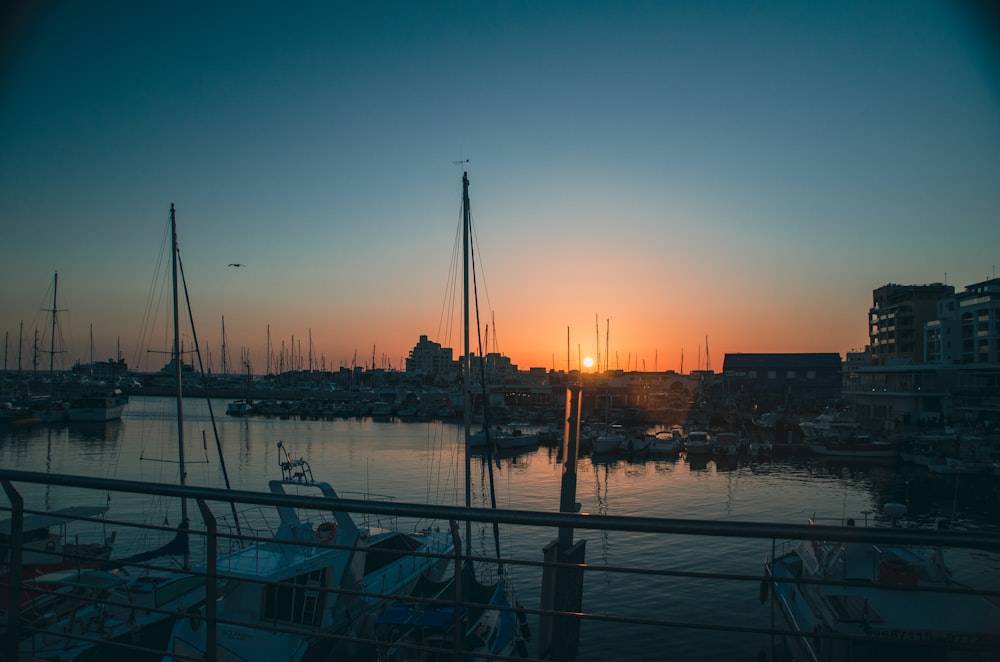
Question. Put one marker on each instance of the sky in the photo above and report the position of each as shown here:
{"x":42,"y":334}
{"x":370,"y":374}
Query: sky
{"x":654,"y":184}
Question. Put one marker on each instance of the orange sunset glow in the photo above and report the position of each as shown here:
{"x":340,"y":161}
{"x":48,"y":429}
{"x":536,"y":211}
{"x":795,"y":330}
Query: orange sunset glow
{"x":654,"y":194}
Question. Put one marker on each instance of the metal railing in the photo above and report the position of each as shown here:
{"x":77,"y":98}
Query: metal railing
{"x":561,"y":572}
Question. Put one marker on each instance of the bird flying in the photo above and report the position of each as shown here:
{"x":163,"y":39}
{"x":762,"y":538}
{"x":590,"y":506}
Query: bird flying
{"x":236,"y":264}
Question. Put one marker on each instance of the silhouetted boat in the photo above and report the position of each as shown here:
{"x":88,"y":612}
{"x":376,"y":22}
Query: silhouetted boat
{"x":859,"y":601}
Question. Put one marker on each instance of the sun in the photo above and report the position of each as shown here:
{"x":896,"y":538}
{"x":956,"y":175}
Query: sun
{"x":588,"y":362}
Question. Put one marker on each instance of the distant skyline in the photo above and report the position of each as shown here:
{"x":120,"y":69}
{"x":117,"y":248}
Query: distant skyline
{"x":733,"y":171}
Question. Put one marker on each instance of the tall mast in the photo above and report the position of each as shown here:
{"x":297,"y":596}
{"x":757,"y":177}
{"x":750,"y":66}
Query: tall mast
{"x":597,"y":335}
{"x":52,"y":339}
{"x":20,"y":343}
{"x":467,"y":376}
{"x":267,"y":351}
{"x":607,"y":345}
{"x":225,"y":369}
{"x":177,"y":364}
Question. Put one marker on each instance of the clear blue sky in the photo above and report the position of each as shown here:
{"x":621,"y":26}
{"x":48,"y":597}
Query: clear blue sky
{"x":747,"y":172}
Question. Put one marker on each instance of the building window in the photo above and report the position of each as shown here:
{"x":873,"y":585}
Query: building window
{"x":772,"y":374}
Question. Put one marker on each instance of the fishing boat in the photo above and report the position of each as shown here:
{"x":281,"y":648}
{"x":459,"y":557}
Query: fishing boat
{"x":859,"y":601}
{"x":315,"y":579}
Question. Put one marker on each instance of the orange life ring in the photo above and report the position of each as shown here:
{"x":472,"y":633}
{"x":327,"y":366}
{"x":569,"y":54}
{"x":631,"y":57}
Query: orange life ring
{"x":326,"y":532}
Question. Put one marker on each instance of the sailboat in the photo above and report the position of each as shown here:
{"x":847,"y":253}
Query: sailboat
{"x":50,"y":544}
{"x":468,"y":618}
{"x":318,"y":580}
{"x":89,"y":614}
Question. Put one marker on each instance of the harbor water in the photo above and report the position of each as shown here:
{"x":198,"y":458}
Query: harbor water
{"x":423,"y":462}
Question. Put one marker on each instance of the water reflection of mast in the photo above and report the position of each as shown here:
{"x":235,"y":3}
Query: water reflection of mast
{"x":48,"y":469}
{"x":602,"y":506}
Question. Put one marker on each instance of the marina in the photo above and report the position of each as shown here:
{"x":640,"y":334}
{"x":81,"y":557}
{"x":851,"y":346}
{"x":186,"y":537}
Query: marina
{"x":643,"y":586}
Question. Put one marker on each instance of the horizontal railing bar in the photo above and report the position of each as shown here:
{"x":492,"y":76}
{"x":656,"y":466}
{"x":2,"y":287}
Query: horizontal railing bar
{"x":944,"y":538}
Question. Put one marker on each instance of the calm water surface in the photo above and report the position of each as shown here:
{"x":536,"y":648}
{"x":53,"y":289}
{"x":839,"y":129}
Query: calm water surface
{"x":423,"y":462}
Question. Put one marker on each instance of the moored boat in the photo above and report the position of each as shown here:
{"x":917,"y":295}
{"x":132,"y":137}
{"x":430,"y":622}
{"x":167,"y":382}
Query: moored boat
{"x":858,"y":447}
{"x":314,"y":579}
{"x":50,"y":545}
{"x":859,"y":601}
{"x":730,"y":444}
{"x":698,"y":442}
{"x":953,"y":466}
{"x":509,"y":437}
{"x":423,"y":628}
{"x":239,"y":408}
{"x":96,"y":408}
{"x":606,"y":444}
{"x":667,"y":443}
{"x":91,"y":614}
{"x":829,"y":424}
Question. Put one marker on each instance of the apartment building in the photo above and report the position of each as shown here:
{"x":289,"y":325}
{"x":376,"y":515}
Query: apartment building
{"x":897,"y":317}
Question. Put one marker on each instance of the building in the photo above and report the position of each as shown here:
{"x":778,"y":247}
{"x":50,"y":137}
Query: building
{"x":795,"y":381}
{"x":109,"y":371}
{"x":897,"y":317}
{"x":496,"y":367}
{"x":430,"y":359}
{"x":967,"y":328}
{"x":954,"y":377}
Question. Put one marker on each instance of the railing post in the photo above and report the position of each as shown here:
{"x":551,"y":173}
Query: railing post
{"x":458,"y":635}
{"x":562,"y":585}
{"x":211,"y":592}
{"x":14,"y":590}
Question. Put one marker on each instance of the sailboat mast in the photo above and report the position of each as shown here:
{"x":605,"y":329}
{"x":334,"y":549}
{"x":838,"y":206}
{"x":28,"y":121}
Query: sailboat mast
{"x":607,"y":345}
{"x":467,"y":377}
{"x":20,"y":346}
{"x":177,"y":360}
{"x":225,"y":368}
{"x":52,"y":339}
